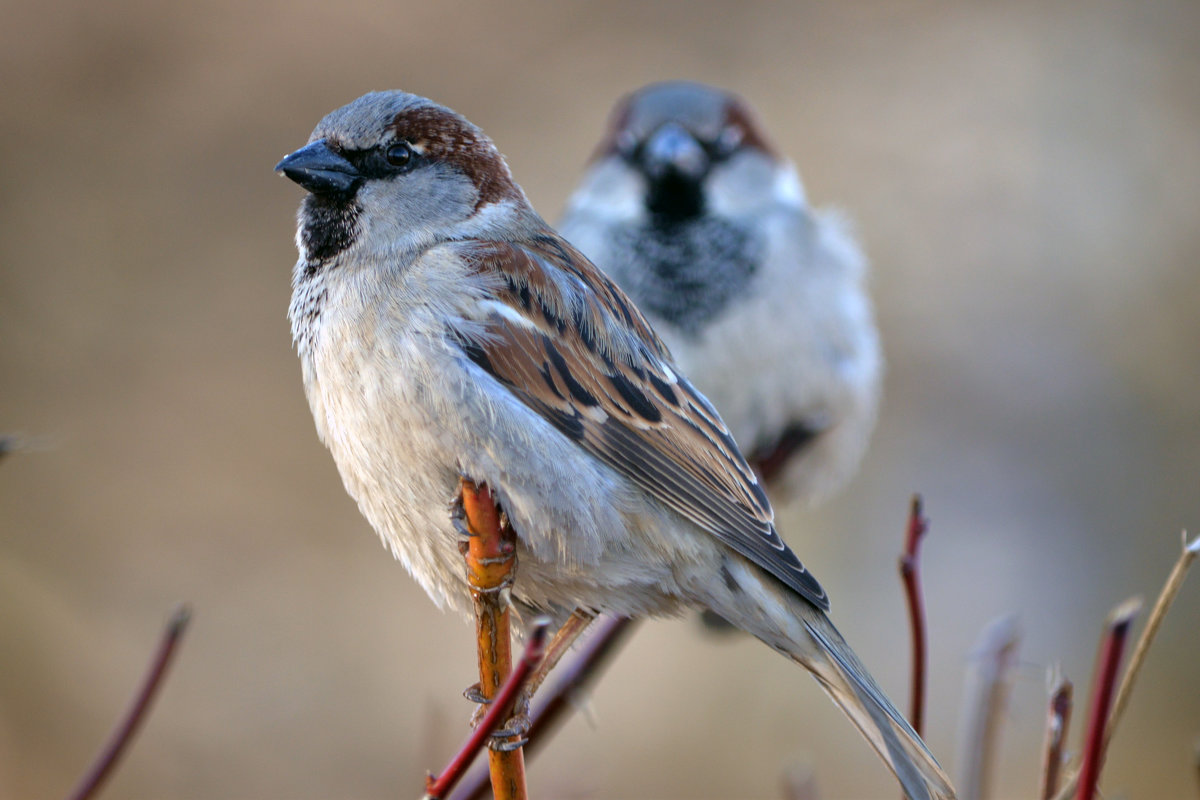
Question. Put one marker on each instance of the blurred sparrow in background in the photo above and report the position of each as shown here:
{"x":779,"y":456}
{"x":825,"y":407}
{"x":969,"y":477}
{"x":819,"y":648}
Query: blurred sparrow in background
{"x":444,"y":329}
{"x":760,"y":299}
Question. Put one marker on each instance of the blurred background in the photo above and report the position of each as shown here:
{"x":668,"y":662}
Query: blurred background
{"x":1025,"y":177}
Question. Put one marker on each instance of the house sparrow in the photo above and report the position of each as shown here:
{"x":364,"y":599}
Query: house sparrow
{"x":445,"y":330}
{"x":691,"y":210}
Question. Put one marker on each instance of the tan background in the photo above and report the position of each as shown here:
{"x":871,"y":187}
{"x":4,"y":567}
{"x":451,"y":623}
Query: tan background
{"x":1026,"y":180}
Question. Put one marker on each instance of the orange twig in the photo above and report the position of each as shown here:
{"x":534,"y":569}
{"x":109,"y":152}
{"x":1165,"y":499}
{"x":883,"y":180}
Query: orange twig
{"x":1057,"y":722}
{"x":119,"y":740}
{"x":535,"y":648}
{"x":1103,"y":684}
{"x":911,"y":577}
{"x":577,"y":673}
{"x":491,"y":556}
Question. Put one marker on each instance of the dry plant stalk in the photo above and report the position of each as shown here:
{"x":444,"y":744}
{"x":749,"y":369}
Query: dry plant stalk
{"x":436,"y":788}
{"x":120,"y":738}
{"x":910,"y":576}
{"x":1157,"y":614}
{"x":1108,"y":662}
{"x":994,"y":656}
{"x":1058,"y":722}
{"x":575,"y":676}
{"x":491,"y":556}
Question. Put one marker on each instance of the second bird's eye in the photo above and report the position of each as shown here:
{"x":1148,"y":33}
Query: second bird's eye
{"x":398,"y":154}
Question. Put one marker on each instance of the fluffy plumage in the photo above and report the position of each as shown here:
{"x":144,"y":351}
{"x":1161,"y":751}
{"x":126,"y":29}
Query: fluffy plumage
{"x":444,"y":330}
{"x":690,"y":209}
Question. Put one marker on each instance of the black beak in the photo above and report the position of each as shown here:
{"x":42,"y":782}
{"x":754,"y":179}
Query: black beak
{"x":671,"y":149}
{"x":320,"y":170}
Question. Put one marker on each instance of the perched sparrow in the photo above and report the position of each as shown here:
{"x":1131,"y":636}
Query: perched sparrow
{"x":760,"y":299}
{"x":445,"y":329}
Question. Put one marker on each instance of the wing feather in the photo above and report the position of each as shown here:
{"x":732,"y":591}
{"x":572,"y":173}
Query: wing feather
{"x":575,"y":350}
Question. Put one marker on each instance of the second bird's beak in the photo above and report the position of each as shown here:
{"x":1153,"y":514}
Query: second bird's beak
{"x":320,"y":170}
{"x":672,"y":149}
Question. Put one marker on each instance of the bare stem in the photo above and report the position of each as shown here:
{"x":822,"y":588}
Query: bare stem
{"x":994,"y":656}
{"x":1157,"y":614}
{"x":576,"y":675}
{"x":436,"y":788}
{"x":910,"y":575}
{"x":1058,"y":721}
{"x":491,"y":557}
{"x":1103,"y":683}
{"x":121,"y":736}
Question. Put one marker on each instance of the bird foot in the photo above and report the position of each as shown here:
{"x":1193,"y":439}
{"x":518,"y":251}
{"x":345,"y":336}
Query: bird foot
{"x":518,"y":724}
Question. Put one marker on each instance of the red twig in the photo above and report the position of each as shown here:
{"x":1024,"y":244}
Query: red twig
{"x":498,"y":711}
{"x":1170,"y":590}
{"x":1057,"y":722}
{"x":910,"y":575}
{"x":1103,"y":683}
{"x":576,"y":674}
{"x":102,"y":767}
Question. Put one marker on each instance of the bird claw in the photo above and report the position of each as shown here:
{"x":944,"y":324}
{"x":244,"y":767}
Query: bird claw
{"x":518,"y":725}
{"x":475,"y":694}
{"x":458,"y":519}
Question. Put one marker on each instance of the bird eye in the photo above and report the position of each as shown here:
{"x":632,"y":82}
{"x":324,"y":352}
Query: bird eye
{"x":399,"y":154}
{"x":728,"y":141}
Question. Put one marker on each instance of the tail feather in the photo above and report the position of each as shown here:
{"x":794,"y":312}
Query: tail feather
{"x":790,"y":624}
{"x":847,"y":682}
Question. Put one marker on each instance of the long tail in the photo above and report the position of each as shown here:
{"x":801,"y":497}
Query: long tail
{"x":847,"y":682}
{"x":801,"y":631}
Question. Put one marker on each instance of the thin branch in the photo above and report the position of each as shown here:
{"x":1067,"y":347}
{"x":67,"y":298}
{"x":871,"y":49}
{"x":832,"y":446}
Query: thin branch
{"x":500,"y":707}
{"x":1157,"y":614}
{"x":491,"y":560}
{"x":1058,"y":720}
{"x":910,"y":576}
{"x":576,"y":675}
{"x":1103,"y":683}
{"x":121,"y":736}
{"x":993,"y":659}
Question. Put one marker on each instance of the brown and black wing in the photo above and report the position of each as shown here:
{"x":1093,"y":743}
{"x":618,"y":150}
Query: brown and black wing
{"x":569,"y":344}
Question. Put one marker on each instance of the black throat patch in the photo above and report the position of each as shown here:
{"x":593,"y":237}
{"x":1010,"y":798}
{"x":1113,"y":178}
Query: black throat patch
{"x":685,"y":272}
{"x":328,"y":225}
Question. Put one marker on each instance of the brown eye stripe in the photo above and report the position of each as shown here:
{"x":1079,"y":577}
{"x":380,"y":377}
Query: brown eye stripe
{"x":451,"y":139}
{"x":738,"y":115}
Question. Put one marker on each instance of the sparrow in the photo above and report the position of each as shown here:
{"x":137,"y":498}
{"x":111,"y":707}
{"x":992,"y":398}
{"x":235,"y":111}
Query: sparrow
{"x":445,"y":330}
{"x":694,"y":213}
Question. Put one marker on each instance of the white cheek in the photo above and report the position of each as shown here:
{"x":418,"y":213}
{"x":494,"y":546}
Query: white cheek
{"x":788,"y":188}
{"x":749,"y":182}
{"x":611,"y":190}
